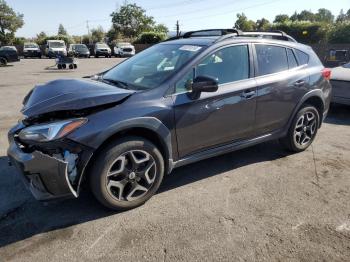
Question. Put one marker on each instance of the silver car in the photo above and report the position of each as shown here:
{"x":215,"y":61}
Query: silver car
{"x":340,"y":81}
{"x":124,"y":49}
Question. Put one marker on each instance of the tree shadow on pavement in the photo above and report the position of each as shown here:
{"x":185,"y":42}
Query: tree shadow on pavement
{"x":338,"y":115}
{"x":21,"y":216}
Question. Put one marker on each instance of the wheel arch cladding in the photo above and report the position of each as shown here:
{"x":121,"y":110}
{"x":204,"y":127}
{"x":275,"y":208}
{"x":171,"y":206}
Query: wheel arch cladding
{"x":313,"y":98}
{"x":148,"y":128}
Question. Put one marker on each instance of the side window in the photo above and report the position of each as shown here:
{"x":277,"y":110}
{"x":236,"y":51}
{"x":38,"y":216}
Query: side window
{"x":303,"y":58}
{"x":271,"y":59}
{"x":185,"y":83}
{"x":226,"y":65}
{"x":292,"y":61}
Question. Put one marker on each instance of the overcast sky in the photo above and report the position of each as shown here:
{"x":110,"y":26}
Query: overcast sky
{"x":46,"y":15}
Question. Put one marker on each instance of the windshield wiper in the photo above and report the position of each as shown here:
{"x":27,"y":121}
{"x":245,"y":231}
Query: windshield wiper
{"x":115,"y":83}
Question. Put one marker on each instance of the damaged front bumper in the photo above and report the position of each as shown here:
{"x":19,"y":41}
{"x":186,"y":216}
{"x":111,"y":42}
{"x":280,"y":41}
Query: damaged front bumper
{"x":48,"y":176}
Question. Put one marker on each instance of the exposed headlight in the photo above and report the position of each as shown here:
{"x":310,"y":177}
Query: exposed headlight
{"x":51,"y":131}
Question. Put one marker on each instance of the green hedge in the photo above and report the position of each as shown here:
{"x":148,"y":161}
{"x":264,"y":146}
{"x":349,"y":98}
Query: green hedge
{"x":305,"y":32}
{"x":150,"y":38}
{"x":340,"y":33}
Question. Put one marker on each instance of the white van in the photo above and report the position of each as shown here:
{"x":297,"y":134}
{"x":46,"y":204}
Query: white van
{"x":55,"y":48}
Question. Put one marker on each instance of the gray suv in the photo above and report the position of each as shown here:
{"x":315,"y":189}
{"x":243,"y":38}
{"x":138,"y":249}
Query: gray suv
{"x":208,"y":93}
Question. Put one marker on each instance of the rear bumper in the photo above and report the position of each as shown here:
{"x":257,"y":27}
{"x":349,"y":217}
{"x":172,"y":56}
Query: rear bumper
{"x":340,"y":92}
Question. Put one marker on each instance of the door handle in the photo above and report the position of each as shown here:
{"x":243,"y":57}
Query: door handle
{"x":299,"y":83}
{"x":248,"y":94}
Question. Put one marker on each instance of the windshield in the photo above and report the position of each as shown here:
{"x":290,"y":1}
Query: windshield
{"x":101,"y":46}
{"x":153,"y":66}
{"x":123,"y":44}
{"x":80,"y":47}
{"x":30,"y":46}
{"x":56,"y":44}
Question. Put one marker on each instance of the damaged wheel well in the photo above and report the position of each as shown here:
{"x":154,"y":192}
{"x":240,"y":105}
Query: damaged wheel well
{"x":138,"y":132}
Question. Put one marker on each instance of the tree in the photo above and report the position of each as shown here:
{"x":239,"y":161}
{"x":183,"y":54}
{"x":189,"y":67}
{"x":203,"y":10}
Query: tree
{"x":97,"y":34}
{"x":160,"y":28}
{"x":281,"y":18}
{"x":130,"y":20}
{"x":113,"y":34}
{"x":10,"y":22}
{"x":306,"y":16}
{"x":263,"y":25}
{"x":41,"y":38}
{"x":242,"y":23}
{"x":324,"y":15}
{"x":342,"y":17}
{"x":62,"y":30}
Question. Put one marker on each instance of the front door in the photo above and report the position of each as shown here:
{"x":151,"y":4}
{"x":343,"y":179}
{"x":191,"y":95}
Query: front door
{"x":220,"y":117}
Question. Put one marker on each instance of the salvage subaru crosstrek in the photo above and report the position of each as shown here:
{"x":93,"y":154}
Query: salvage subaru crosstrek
{"x":184,"y":100}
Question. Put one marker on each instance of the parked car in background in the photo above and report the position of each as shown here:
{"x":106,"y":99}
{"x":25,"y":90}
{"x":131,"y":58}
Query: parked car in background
{"x":340,"y":81}
{"x":336,"y":58}
{"x":78,"y":50}
{"x":102,"y":49}
{"x":10,"y":47}
{"x":31,"y":50}
{"x":55,"y":48}
{"x":8,"y":54}
{"x":124,"y":49}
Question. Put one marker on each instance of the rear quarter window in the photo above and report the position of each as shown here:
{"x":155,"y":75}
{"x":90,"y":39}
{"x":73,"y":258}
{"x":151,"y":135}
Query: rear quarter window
{"x":303,"y":58}
{"x":291,"y":59}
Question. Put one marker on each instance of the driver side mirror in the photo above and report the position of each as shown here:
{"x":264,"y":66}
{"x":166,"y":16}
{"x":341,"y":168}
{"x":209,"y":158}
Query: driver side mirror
{"x":203,"y":84}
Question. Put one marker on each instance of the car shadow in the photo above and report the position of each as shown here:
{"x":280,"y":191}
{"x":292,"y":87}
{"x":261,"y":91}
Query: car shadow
{"x":21,"y":216}
{"x":338,"y":115}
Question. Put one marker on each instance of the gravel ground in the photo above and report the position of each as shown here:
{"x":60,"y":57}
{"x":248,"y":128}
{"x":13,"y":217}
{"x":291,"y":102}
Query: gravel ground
{"x":256,"y":204}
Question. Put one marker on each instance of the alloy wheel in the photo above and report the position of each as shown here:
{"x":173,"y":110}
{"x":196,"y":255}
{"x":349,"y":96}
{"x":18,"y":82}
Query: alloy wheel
{"x":131,"y":175}
{"x":305,"y":128}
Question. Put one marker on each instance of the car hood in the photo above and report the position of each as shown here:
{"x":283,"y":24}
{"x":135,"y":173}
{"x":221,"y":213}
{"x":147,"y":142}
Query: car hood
{"x":31,"y":49}
{"x":57,"y":48}
{"x":70,"y":94}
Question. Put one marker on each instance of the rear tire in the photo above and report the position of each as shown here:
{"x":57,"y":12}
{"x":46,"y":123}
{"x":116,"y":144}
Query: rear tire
{"x":303,"y":129}
{"x":127,"y":173}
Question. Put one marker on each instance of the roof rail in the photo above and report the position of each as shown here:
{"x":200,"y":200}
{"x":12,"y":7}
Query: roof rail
{"x":207,"y":33}
{"x":233,"y":32}
{"x":211,"y":32}
{"x":274,"y":34}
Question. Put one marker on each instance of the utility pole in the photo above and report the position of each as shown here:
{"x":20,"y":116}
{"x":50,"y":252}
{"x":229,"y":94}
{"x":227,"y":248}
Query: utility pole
{"x":88,"y":28}
{"x":177,"y":28}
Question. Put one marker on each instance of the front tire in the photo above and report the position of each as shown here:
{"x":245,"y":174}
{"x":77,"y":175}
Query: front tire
{"x":3,"y":61}
{"x":127,"y":173}
{"x":303,"y":129}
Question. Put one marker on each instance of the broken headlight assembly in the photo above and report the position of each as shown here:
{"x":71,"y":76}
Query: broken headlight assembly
{"x":51,"y":131}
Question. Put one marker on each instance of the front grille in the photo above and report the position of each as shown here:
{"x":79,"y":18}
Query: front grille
{"x":127,"y":49}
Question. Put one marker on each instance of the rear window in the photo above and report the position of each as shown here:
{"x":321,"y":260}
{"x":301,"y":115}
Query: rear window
{"x":271,"y":59}
{"x":292,"y":61}
{"x":303,"y":58}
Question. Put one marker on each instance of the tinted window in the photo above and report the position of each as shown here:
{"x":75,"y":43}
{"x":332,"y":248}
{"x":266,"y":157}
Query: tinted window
{"x":302,"y":57}
{"x":291,"y":59}
{"x":271,"y":59}
{"x":226,"y":65}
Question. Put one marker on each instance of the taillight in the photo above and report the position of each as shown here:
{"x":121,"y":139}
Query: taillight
{"x":326,"y":73}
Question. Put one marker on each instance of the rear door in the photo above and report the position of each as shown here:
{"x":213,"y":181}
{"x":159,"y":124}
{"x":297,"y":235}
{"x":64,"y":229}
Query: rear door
{"x":281,"y":82}
{"x":220,"y":117}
